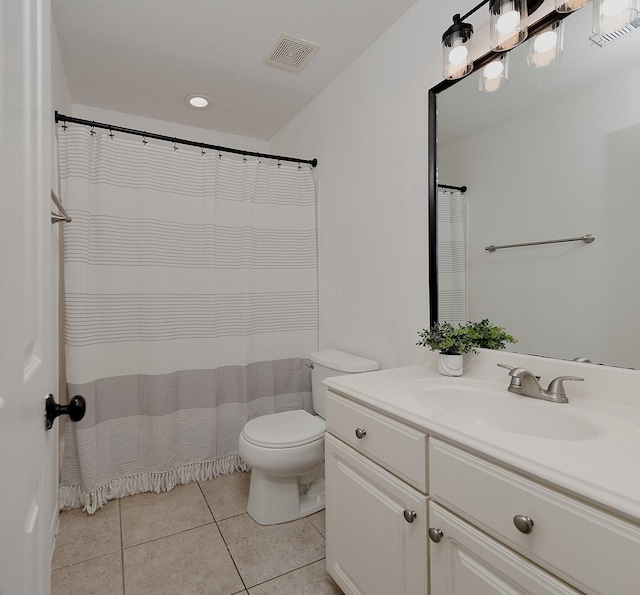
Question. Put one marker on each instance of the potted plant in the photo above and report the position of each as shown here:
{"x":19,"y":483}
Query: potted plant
{"x":453,"y":342}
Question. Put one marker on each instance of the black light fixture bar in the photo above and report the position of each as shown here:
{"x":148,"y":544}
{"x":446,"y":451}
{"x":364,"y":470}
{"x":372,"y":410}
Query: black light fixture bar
{"x":532,"y":6}
{"x":474,"y":9}
{"x":180,"y":141}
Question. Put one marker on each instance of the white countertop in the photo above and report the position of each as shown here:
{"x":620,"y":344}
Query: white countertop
{"x":603,"y":467}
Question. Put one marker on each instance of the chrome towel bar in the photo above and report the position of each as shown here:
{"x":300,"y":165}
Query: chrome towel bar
{"x":62,"y":216}
{"x":587,"y":239}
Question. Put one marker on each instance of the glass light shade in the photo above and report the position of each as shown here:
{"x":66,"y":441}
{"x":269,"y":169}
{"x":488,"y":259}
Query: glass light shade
{"x":570,"y":5}
{"x":456,"y":50}
{"x":546,"y":46}
{"x":494,"y":76}
{"x":611,"y":15}
{"x":507,"y":24}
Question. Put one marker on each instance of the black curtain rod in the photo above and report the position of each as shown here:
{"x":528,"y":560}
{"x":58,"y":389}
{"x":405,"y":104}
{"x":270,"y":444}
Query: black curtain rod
{"x":181,"y":141}
{"x":462,"y":189}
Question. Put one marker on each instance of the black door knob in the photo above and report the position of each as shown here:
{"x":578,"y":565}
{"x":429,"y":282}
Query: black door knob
{"x":75,"y":409}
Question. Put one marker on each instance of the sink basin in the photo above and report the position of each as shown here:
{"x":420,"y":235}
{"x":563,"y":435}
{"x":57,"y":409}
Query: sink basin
{"x":507,"y":412}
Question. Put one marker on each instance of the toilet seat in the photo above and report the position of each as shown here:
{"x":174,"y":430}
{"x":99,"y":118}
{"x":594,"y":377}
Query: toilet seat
{"x":284,"y":430}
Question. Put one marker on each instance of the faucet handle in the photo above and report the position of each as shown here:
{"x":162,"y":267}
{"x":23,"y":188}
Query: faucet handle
{"x":517,"y":373}
{"x":556,"y":387}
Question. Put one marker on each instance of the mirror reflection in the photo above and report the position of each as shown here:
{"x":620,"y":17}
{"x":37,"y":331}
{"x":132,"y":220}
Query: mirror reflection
{"x":553,"y":154}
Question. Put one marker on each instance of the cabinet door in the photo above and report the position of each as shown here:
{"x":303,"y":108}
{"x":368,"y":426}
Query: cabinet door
{"x":467,"y":561}
{"x":371,"y":548}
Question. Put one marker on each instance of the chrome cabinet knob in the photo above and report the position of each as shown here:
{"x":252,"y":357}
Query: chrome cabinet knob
{"x":435,"y":535}
{"x":409,"y":515}
{"x":524,"y":524}
{"x":360,"y":433}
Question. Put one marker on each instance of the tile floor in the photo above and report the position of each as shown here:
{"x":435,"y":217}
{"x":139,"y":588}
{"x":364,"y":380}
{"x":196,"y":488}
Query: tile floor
{"x":195,"y":539}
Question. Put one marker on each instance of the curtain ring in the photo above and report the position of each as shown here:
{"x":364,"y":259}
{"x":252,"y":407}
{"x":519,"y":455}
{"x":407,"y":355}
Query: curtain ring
{"x":111,"y":135}
{"x":92,"y":132}
{"x":144,"y":139}
{"x":64,"y":125}
{"x":175,"y":146}
{"x":202,"y":151}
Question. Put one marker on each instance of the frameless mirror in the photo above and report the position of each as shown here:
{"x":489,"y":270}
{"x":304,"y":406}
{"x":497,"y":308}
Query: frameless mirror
{"x":555,"y":154}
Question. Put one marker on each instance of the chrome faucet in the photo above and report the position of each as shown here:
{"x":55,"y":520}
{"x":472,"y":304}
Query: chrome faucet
{"x":525,"y":383}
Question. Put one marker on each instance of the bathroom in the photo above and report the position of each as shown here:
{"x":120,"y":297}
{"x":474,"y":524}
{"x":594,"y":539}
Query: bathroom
{"x":368,"y":128}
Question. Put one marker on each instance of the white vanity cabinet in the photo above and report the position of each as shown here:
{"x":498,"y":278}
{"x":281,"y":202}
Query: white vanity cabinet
{"x":376,"y":522}
{"x":492,"y":528}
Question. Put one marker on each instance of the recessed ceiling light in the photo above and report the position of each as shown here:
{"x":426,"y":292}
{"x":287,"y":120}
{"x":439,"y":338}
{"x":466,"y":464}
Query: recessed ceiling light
{"x":197,"y":101}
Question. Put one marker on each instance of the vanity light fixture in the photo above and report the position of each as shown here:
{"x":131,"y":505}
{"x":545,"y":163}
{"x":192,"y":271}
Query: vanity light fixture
{"x":495,"y":75}
{"x":611,"y":15}
{"x":570,"y":5}
{"x":546,"y":46}
{"x":508,"y":20}
{"x":197,"y":101}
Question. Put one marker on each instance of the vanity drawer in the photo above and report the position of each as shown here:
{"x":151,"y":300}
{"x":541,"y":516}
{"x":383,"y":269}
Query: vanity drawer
{"x":393,"y":445}
{"x":587,"y":547}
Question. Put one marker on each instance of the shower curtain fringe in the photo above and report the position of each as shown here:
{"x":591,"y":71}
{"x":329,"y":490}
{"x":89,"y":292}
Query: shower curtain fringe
{"x":75,"y":496}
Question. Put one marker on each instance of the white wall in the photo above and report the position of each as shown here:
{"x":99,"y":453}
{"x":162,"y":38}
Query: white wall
{"x":567,"y":180}
{"x":212,"y":137}
{"x":368,"y":130}
{"x":61,"y":97}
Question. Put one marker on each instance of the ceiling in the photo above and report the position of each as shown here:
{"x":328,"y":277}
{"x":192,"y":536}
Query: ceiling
{"x":143,"y":57}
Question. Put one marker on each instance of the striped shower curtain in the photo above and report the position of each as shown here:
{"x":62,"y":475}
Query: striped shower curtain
{"x":452,"y":268}
{"x":190,"y":307}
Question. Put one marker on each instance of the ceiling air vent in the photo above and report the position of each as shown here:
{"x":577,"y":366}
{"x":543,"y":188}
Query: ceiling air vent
{"x":291,"y":53}
{"x":601,"y":40}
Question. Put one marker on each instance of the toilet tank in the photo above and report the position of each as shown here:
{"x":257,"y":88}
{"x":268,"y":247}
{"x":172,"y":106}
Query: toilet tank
{"x":331,"y":362}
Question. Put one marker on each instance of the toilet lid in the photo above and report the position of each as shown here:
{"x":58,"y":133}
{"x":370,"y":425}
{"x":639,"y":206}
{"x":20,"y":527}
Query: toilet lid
{"x":284,"y":430}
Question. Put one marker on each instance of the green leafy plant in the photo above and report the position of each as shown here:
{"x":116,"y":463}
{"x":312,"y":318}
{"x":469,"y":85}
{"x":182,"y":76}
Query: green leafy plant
{"x":486,"y":335}
{"x":450,"y":340}
{"x":446,"y":339}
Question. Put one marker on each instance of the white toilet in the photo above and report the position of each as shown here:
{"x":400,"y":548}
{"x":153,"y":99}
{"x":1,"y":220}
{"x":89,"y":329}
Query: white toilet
{"x":286,"y":450}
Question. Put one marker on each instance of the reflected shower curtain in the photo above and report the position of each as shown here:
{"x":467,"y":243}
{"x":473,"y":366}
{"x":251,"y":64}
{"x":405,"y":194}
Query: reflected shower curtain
{"x":190,"y":307}
{"x":452,"y":271}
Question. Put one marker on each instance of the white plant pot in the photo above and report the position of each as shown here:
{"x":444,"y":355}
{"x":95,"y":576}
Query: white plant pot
{"x":450,"y":365}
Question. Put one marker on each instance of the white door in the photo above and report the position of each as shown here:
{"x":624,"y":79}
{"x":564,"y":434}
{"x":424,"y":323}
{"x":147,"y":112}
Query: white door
{"x":372,"y":549}
{"x":28,"y":470}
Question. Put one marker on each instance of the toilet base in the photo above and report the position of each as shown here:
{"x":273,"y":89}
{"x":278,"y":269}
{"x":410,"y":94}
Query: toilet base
{"x":276,"y":499}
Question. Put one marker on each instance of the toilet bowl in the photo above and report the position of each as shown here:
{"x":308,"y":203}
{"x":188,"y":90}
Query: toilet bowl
{"x":286,"y":450}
